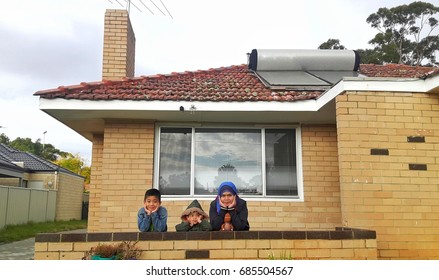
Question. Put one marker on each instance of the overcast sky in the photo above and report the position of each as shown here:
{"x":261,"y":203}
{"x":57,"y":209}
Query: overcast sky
{"x":48,"y":43}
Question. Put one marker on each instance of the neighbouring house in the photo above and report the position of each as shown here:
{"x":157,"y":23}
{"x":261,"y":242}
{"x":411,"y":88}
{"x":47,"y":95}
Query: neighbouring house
{"x":25,"y":170}
{"x":313,"y":139}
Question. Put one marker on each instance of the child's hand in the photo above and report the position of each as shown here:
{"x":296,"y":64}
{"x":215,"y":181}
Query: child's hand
{"x":193,"y":221}
{"x":222,"y":204}
{"x":147,"y":211}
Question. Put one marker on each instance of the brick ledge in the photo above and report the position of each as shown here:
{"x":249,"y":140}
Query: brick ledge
{"x":340,"y":233}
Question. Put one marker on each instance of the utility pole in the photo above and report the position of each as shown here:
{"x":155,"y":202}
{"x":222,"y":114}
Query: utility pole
{"x":44,"y":139}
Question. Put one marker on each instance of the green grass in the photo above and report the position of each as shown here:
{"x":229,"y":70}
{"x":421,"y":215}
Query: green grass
{"x":283,"y":256}
{"x":19,"y":232}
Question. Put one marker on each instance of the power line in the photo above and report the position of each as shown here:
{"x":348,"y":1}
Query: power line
{"x":166,"y":9}
{"x":130,"y":2}
{"x":119,"y":3}
{"x":146,"y":6}
{"x":157,"y":7}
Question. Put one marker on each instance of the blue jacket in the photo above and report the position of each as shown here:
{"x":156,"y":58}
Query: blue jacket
{"x":158,"y":220}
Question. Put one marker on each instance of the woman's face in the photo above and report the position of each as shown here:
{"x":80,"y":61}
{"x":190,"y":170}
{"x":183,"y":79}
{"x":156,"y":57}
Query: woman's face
{"x":227,"y":198}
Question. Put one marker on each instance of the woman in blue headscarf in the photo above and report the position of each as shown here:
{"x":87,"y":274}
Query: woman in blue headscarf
{"x":228,"y":201}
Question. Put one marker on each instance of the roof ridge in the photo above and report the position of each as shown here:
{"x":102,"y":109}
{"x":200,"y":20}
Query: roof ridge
{"x":40,"y":160}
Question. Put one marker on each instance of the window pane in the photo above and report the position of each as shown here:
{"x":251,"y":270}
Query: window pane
{"x":175,"y":161}
{"x":280,"y":156}
{"x":228,"y":155}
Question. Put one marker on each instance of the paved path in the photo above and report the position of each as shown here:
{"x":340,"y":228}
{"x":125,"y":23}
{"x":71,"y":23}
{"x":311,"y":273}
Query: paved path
{"x":23,"y":249}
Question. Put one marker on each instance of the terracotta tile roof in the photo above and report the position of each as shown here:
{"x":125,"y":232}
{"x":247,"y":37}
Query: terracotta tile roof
{"x":397,"y":71}
{"x":234,"y":83}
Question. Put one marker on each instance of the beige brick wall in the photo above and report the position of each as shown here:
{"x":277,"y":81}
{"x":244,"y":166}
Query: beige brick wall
{"x":123,"y":173}
{"x":119,"y":46}
{"x":69,"y":197}
{"x":123,"y":169}
{"x":359,"y":249}
{"x":10,"y":182}
{"x":379,"y":192}
{"x":321,"y":178}
{"x":95,"y":189}
{"x":42,"y":177}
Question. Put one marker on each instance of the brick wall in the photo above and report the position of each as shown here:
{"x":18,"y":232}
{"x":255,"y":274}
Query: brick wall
{"x":95,"y":188}
{"x":382,"y":181}
{"x":123,"y":170}
{"x":321,"y":178}
{"x":10,"y":182}
{"x":42,"y":177}
{"x":339,"y":244}
{"x":119,"y":46}
{"x":69,"y":197}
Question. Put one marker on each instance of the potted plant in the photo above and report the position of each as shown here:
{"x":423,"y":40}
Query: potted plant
{"x":125,"y":250}
{"x":103,"y":252}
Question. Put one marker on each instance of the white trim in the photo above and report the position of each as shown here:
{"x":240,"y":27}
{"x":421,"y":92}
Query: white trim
{"x":299,"y":163}
{"x":246,"y":198}
{"x":156,"y":105}
{"x":378,"y":84}
{"x":263,"y":197}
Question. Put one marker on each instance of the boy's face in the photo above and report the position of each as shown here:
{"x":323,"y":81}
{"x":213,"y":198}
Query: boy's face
{"x":194,"y":217}
{"x":151,"y":203}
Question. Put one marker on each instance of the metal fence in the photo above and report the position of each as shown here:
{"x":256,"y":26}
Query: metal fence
{"x":20,"y":205}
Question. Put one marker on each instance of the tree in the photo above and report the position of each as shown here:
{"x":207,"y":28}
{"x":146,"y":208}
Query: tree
{"x":4,"y":139}
{"x":75,"y":164}
{"x":331,"y":44}
{"x":47,"y":151}
{"x":406,"y":33}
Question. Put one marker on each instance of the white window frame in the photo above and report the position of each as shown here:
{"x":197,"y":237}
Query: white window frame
{"x":263,"y":197}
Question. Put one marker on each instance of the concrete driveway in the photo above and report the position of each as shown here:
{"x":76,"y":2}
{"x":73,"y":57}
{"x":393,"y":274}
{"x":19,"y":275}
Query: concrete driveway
{"x":23,"y":249}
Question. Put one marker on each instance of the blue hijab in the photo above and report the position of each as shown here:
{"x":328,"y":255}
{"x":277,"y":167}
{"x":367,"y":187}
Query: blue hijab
{"x":225,"y":187}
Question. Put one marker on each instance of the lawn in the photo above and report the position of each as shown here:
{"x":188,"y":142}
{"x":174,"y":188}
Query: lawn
{"x":13,"y":233}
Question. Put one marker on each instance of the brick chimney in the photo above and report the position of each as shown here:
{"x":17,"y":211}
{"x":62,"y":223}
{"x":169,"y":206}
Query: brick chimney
{"x":119,"y":46}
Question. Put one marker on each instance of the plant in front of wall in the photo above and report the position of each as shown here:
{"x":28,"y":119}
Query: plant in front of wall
{"x":102,"y":252}
{"x":283,"y":256}
{"x":125,"y":250}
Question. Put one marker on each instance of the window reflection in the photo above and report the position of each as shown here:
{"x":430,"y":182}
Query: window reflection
{"x":228,"y":155}
{"x":175,"y":161}
{"x":220,"y":155}
{"x":280,"y":158}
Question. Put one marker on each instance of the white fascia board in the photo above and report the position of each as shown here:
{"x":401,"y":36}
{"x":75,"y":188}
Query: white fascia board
{"x":391,"y":84}
{"x":379,"y":84}
{"x":206,"y":106}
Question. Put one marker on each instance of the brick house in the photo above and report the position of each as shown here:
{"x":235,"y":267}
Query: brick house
{"x":334,"y":144}
{"x":25,"y":170}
